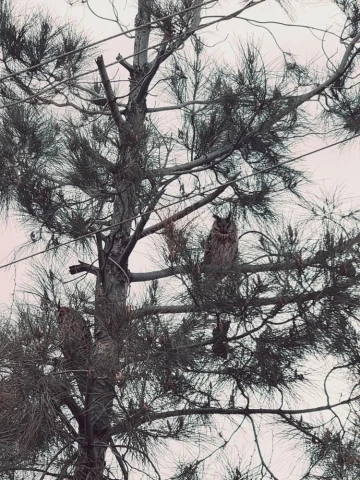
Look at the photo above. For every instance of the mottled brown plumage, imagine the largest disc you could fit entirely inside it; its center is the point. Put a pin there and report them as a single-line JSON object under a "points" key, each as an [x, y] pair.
{"points": [[222, 243], [74, 333]]}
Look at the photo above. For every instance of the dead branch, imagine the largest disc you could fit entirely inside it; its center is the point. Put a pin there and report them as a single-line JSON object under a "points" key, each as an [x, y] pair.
{"points": [[83, 267], [115, 112]]}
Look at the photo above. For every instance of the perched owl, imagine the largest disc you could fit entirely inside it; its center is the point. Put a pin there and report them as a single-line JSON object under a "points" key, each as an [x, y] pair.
{"points": [[74, 333], [221, 246]]}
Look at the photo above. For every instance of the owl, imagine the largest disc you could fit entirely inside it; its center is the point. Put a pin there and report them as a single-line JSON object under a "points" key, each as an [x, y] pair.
{"points": [[74, 333], [221, 246]]}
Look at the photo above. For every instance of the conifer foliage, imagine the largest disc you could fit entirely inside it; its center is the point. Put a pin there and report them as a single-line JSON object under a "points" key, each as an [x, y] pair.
{"points": [[186, 369]]}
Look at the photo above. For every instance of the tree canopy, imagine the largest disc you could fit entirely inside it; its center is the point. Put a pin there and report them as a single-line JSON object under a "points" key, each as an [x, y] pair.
{"points": [[197, 365]]}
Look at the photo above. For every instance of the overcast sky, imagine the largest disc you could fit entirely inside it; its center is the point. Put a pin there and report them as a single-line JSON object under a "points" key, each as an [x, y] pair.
{"points": [[328, 169]]}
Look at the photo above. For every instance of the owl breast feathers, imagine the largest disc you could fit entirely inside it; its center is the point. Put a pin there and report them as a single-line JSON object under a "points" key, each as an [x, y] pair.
{"points": [[222, 243], [74, 332]]}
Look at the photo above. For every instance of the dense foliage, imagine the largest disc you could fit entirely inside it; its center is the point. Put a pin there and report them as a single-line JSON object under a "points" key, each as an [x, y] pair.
{"points": [[235, 363]]}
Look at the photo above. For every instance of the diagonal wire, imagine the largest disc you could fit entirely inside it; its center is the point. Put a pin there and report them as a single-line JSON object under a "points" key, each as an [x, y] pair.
{"points": [[83, 74], [231, 182], [90, 45]]}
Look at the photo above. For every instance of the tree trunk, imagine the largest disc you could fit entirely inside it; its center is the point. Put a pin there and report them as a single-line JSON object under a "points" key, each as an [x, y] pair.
{"points": [[113, 282]]}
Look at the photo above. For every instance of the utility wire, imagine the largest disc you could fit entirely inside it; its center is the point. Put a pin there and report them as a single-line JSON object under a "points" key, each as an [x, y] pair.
{"points": [[90, 45], [75, 77], [264, 170]]}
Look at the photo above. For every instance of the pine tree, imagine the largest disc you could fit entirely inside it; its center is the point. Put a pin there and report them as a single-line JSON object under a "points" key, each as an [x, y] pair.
{"points": [[101, 381]]}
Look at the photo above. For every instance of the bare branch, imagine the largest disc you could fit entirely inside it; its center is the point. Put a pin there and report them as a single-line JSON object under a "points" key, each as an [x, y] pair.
{"points": [[190, 103], [125, 64], [157, 274], [242, 268], [340, 70], [206, 159], [150, 417], [115, 112], [257, 302], [83, 267]]}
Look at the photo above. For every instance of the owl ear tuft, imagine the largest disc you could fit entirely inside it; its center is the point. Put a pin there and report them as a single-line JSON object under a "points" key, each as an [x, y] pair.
{"points": [[217, 218]]}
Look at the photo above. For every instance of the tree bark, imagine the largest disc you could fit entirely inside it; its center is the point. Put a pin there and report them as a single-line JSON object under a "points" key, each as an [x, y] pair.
{"points": [[113, 281]]}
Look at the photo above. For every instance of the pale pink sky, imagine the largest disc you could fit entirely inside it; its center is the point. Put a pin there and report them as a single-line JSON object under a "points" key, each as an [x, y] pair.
{"points": [[330, 168]]}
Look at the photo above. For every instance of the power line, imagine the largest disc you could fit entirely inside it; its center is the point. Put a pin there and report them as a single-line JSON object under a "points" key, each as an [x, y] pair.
{"points": [[75, 77], [90, 45], [264, 170], [88, 72]]}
